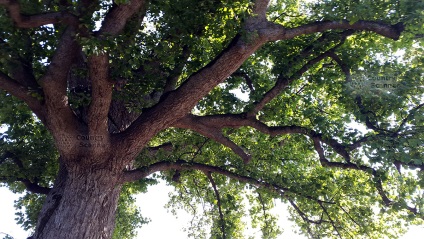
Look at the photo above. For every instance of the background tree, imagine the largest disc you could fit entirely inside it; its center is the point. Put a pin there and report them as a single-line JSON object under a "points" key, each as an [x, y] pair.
{"points": [[101, 98]]}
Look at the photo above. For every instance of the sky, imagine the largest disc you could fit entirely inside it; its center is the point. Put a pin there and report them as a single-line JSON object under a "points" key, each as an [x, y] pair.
{"points": [[152, 206]]}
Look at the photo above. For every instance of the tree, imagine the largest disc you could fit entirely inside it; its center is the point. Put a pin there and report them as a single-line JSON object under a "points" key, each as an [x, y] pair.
{"points": [[101, 98]]}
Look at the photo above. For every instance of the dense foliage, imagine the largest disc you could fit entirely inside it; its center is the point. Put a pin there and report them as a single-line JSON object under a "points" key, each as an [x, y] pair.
{"points": [[329, 119]]}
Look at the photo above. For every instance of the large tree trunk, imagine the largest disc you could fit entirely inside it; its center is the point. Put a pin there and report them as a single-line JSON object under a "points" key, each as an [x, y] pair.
{"points": [[82, 203]]}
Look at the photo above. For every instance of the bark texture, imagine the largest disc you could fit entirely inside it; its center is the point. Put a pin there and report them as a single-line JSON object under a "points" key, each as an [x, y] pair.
{"points": [[82, 204]]}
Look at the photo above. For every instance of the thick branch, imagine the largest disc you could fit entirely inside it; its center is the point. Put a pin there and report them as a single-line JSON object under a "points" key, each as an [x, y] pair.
{"points": [[54, 84], [32, 21], [179, 102], [260, 7], [118, 16], [34, 187], [101, 95]]}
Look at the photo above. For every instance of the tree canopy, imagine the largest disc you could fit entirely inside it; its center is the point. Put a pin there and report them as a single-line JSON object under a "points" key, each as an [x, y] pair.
{"points": [[318, 104]]}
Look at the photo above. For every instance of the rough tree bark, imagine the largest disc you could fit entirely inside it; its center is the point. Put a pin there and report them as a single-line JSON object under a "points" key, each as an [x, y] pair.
{"points": [[82, 203]]}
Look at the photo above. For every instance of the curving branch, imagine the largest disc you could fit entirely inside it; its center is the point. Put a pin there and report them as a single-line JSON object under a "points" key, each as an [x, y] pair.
{"points": [[54, 85], [333, 224], [214, 133], [213, 122], [274, 32], [176, 104], [31, 186], [247, 78], [21, 92], [34, 187], [144, 172], [32, 21], [283, 81], [171, 82], [218, 198], [304, 218], [369, 170], [118, 16]]}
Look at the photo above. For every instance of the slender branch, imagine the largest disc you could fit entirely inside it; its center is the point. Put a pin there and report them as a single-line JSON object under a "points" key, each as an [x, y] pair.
{"points": [[304, 217], [218, 198], [213, 133], [276, 32], [342, 65], [331, 220], [31, 186], [358, 143], [166, 146], [350, 217], [236, 121], [144, 172], [247, 78], [409, 116], [34, 187], [21, 92], [171, 83], [283, 81], [32, 21], [378, 183]]}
